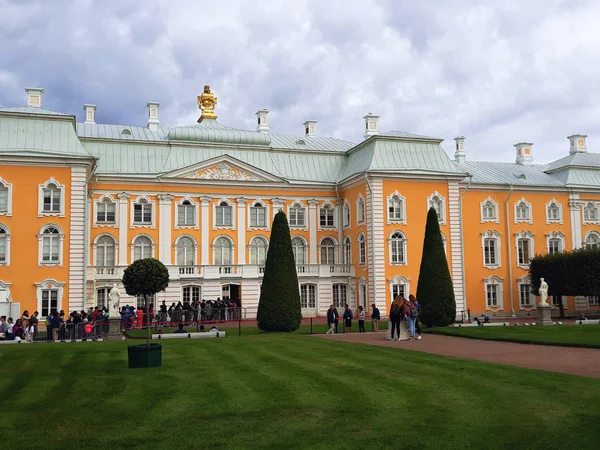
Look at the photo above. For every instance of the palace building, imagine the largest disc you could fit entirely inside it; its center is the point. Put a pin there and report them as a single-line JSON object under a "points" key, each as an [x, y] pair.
{"points": [[80, 201]]}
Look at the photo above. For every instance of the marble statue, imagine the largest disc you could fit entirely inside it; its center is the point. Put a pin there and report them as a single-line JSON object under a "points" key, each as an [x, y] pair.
{"points": [[543, 291], [114, 297]]}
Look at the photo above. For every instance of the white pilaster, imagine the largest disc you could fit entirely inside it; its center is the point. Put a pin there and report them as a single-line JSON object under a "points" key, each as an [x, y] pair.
{"points": [[241, 229], [77, 238], [164, 228], [376, 242], [204, 229], [575, 210], [278, 205], [123, 226], [456, 245], [312, 229]]}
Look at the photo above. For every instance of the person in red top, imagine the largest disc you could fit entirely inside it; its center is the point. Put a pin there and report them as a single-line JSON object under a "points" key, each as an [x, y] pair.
{"points": [[139, 316]]}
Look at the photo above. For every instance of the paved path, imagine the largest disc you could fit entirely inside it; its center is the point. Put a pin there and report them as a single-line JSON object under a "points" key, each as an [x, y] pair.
{"points": [[576, 361]]}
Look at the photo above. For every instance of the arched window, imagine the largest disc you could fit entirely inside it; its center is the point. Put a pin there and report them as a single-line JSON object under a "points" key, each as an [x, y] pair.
{"points": [[297, 215], [5, 197], [346, 211], [142, 212], [299, 249], [51, 245], [186, 214], [105, 211], [142, 248], [258, 215], [223, 214], [553, 212], [395, 208], [362, 249], [590, 212], [397, 248], [488, 211], [105, 251], [592, 241], [186, 251], [360, 210], [4, 243], [223, 252], [347, 251], [522, 211], [436, 203], [52, 195], [327, 251], [258, 251]]}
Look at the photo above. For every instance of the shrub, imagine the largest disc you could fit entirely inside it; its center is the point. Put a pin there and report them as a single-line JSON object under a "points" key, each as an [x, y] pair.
{"points": [[279, 305], [435, 292]]}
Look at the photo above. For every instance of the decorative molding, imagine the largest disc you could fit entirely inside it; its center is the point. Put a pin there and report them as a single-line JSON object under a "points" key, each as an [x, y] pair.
{"points": [[442, 201], [133, 243], [360, 201], [590, 213], [489, 202], [558, 207], [495, 235], [6, 236], [61, 239], [555, 235], [8, 186], [152, 203], [524, 235], [278, 205], [196, 205], [61, 188], [523, 202], [297, 205], [95, 204], [404, 247], [165, 198], [216, 205], [224, 171], [494, 281], [402, 199]]}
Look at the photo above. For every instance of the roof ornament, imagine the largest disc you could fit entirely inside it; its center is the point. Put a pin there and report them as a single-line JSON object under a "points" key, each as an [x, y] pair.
{"points": [[207, 102]]}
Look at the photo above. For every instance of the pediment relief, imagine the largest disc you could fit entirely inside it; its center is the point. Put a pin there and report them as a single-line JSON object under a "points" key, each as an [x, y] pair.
{"points": [[223, 171]]}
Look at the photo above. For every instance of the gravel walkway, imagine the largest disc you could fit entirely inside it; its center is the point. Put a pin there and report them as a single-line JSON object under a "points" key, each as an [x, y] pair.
{"points": [[575, 361]]}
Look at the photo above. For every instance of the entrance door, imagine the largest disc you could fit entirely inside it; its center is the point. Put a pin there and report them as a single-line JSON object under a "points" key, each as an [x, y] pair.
{"points": [[235, 294], [363, 296]]}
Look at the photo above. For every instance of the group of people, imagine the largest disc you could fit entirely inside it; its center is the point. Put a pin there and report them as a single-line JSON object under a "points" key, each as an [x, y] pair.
{"points": [[405, 310], [207, 310], [25, 328], [333, 317]]}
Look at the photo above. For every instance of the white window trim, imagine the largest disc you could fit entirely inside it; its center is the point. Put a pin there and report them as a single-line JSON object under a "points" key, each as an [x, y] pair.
{"points": [[305, 242], [442, 219], [387, 209], [7, 185], [260, 237], [267, 225], [50, 283], [7, 236], [95, 223], [335, 249], [560, 212], [176, 247], [529, 208], [494, 280], [363, 263], [233, 215], [524, 235], [347, 241], [214, 246], [555, 235], [525, 280], [588, 234], [152, 203], [590, 205], [345, 205], [494, 219], [316, 285], [563, 299], [360, 200], [95, 248], [196, 205], [303, 206], [399, 279], [404, 249], [132, 245], [335, 216], [41, 187], [491, 234], [444, 242], [61, 240], [192, 284]]}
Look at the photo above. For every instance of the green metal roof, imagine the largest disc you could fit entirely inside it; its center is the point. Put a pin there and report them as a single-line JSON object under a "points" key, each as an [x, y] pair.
{"points": [[34, 110], [209, 130], [575, 160], [508, 173]]}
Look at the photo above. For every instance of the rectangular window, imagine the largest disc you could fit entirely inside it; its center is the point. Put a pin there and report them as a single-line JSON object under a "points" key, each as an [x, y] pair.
{"points": [[362, 252], [524, 250], [522, 212], [105, 212], [50, 249], [2, 248], [490, 252], [191, 293], [186, 215], [49, 301], [339, 295], [489, 212], [553, 213], [52, 200], [3, 198], [297, 217], [594, 300], [308, 295], [361, 211], [398, 290], [223, 216], [258, 216], [142, 213], [492, 295], [525, 294], [554, 246], [101, 297], [346, 216], [326, 217]]}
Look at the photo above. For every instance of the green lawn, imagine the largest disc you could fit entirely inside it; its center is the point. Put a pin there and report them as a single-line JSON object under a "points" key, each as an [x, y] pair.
{"points": [[563, 335], [285, 391]]}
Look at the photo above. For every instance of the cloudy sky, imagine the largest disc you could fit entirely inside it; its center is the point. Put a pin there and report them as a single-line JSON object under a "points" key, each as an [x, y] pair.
{"points": [[497, 72]]}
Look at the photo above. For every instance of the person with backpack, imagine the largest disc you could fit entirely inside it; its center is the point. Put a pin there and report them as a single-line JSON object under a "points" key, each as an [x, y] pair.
{"points": [[375, 317], [408, 311], [396, 317], [416, 311], [348, 318]]}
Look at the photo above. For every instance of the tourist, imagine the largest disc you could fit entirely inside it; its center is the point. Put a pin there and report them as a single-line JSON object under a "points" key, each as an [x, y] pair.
{"points": [[25, 319], [55, 325], [180, 329], [416, 312], [201, 329], [396, 317], [408, 313], [33, 327], [375, 317], [337, 318], [3, 328], [361, 319], [331, 319], [17, 330], [347, 318]]}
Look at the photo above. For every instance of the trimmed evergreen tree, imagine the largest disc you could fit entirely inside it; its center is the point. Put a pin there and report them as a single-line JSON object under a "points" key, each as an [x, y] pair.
{"points": [[279, 305], [435, 292]]}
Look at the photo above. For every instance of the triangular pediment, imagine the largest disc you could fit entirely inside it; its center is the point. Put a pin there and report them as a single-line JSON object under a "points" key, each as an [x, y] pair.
{"points": [[224, 168]]}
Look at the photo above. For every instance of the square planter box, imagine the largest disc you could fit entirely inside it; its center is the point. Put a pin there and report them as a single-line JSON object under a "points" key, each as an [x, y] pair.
{"points": [[143, 356]]}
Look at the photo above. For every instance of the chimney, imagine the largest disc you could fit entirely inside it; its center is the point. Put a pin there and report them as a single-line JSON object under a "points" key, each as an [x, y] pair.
{"points": [[261, 117], [153, 115], [90, 112], [34, 97], [524, 155], [460, 155], [309, 127], [370, 125], [578, 144]]}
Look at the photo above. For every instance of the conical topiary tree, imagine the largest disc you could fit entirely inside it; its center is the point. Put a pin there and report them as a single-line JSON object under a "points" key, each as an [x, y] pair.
{"points": [[435, 292], [279, 305]]}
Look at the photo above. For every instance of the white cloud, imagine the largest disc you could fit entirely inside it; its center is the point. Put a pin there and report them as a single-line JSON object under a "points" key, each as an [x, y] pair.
{"points": [[498, 73]]}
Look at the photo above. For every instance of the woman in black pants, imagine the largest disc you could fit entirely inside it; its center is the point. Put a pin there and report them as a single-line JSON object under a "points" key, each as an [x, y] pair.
{"points": [[395, 317]]}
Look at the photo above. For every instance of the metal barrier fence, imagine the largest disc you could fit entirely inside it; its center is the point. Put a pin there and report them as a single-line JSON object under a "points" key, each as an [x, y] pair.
{"points": [[81, 331]]}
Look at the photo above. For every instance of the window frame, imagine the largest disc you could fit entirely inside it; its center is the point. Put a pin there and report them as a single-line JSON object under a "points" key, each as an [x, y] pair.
{"points": [[223, 203], [518, 205], [5, 185], [293, 215], [400, 281], [437, 197], [329, 208], [346, 215], [254, 248], [522, 284], [347, 260], [196, 214], [341, 294], [179, 247], [361, 211], [555, 236], [402, 209], [495, 236], [5, 235], [304, 250], [499, 283], [134, 244], [333, 247], [525, 235], [231, 251], [60, 236], [590, 206], [556, 206], [41, 196], [104, 200], [308, 302], [152, 204], [591, 234], [49, 284], [97, 245], [255, 207], [489, 203], [362, 249], [190, 296], [391, 242]]}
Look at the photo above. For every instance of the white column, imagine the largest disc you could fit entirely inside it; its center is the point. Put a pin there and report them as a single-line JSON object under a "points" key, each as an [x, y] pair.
{"points": [[241, 229], [312, 230], [77, 241], [376, 242], [575, 210], [204, 230], [456, 245], [164, 228], [123, 226]]}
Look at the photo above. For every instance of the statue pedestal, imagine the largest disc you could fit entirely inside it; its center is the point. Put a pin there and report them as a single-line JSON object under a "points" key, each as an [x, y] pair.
{"points": [[404, 333], [544, 315], [114, 330]]}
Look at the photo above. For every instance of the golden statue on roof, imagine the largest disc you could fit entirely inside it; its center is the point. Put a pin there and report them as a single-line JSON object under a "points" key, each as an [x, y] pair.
{"points": [[207, 102]]}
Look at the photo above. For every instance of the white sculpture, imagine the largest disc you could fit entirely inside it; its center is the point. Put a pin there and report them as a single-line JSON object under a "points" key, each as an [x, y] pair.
{"points": [[114, 298], [543, 290]]}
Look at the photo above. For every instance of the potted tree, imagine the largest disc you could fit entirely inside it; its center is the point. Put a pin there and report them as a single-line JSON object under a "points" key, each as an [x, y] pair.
{"points": [[145, 277]]}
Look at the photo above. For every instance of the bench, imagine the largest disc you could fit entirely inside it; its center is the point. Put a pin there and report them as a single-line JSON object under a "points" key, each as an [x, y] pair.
{"points": [[199, 335], [588, 322], [491, 324]]}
